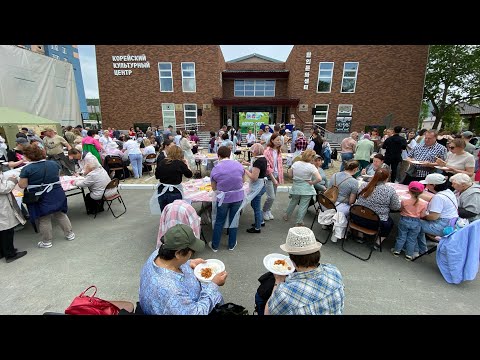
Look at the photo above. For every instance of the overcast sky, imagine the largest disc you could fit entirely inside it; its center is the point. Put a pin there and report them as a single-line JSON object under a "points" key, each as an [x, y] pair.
{"points": [[230, 52]]}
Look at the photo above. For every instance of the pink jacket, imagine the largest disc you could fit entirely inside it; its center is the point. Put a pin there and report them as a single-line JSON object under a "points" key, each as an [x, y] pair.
{"points": [[268, 153], [92, 141]]}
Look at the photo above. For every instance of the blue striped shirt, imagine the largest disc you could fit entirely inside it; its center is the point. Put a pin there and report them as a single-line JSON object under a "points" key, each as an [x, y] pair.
{"points": [[315, 292]]}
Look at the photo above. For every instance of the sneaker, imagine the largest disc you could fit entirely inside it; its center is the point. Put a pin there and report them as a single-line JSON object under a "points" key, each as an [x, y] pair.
{"points": [[409, 258], [252, 230], [262, 224], [376, 247], [360, 240], [266, 216], [395, 252], [70, 236], [271, 215], [210, 246], [18, 255], [45, 245], [334, 239], [234, 246]]}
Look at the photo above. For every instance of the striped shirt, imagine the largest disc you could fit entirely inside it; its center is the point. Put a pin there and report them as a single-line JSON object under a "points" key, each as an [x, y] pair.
{"points": [[315, 292]]}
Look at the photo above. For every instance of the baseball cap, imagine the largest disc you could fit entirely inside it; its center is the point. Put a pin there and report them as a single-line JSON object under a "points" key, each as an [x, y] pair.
{"points": [[21, 140], [434, 179], [416, 186], [180, 237], [467, 133]]}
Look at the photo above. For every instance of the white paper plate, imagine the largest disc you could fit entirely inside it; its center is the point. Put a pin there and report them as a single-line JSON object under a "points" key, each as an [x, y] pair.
{"points": [[417, 162], [216, 265], [269, 260], [442, 168]]}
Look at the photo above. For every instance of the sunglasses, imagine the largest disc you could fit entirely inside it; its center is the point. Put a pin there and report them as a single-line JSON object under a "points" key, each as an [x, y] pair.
{"points": [[451, 147]]}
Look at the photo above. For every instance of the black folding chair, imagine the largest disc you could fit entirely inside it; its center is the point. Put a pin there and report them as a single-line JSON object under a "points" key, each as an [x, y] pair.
{"points": [[114, 163], [368, 214], [109, 199], [322, 200]]}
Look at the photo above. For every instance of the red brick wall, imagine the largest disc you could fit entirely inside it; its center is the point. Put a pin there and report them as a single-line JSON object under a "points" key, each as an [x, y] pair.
{"points": [[389, 80], [137, 98]]}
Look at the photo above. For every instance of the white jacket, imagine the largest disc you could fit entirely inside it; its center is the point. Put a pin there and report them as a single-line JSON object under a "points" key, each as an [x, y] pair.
{"points": [[96, 181], [10, 213]]}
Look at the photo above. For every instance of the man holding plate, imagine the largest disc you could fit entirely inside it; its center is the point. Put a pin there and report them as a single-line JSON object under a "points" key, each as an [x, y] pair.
{"points": [[314, 289]]}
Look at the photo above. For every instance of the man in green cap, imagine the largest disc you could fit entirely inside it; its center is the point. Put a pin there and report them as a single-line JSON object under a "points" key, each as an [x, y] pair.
{"points": [[168, 285]]}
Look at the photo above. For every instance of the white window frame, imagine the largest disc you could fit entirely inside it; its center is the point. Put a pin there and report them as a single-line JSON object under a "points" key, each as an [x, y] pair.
{"points": [[331, 76], [316, 118], [254, 87], [344, 113], [56, 56], [165, 77], [189, 117], [164, 110], [189, 77], [349, 77], [64, 50], [54, 47]]}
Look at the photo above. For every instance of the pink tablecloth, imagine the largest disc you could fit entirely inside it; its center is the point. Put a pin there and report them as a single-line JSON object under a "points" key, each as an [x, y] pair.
{"points": [[192, 192]]}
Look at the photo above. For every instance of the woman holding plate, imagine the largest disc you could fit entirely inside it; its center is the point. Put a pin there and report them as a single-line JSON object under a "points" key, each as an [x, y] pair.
{"points": [[458, 160], [168, 285]]}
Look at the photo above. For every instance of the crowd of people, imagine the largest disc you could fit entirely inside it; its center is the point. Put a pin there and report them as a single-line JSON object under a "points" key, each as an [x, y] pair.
{"points": [[439, 170]]}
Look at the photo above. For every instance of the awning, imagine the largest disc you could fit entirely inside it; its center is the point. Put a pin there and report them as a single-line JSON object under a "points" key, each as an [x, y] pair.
{"points": [[255, 101]]}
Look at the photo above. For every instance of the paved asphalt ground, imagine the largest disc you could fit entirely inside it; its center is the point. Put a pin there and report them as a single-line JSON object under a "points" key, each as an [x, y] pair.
{"points": [[110, 252]]}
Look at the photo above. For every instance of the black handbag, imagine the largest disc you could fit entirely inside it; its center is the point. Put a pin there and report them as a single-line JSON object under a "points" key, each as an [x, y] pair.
{"points": [[30, 198]]}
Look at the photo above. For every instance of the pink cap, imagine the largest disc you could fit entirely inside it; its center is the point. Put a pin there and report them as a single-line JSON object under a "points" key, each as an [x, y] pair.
{"points": [[416, 186]]}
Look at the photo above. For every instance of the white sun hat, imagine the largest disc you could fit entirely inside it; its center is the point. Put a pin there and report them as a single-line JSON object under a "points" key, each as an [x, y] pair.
{"points": [[301, 241]]}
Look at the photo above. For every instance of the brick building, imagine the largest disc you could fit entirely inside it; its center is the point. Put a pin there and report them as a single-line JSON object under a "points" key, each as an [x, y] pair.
{"points": [[341, 88]]}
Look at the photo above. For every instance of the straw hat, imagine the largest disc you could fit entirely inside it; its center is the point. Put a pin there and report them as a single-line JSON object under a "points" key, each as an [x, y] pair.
{"points": [[301, 241]]}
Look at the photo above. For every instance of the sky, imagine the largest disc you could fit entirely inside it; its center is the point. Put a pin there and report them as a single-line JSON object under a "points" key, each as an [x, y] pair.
{"points": [[230, 52]]}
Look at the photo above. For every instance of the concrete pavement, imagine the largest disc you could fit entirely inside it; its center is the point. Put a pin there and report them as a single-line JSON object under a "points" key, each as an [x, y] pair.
{"points": [[110, 252]]}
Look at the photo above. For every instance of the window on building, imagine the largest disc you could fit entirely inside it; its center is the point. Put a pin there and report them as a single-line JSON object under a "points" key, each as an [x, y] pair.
{"points": [[325, 74], [254, 88], [349, 80], [64, 49], [344, 110], [166, 77], [188, 77], [321, 113], [168, 115], [54, 47], [190, 115], [56, 56]]}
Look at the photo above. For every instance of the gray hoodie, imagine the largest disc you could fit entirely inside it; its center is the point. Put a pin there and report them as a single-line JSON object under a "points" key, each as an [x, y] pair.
{"points": [[470, 201]]}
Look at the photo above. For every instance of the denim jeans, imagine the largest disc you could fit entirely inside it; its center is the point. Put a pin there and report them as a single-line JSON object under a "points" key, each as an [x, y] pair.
{"points": [[271, 194], [220, 221], [257, 209], [136, 161], [434, 227], [168, 197], [345, 158], [408, 230], [260, 304]]}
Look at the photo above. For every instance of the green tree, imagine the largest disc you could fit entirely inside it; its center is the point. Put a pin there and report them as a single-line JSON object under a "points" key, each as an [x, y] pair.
{"points": [[424, 113], [93, 102], [453, 76], [452, 121]]}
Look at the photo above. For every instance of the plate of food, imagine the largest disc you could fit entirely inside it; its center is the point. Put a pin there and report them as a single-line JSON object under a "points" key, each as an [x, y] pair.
{"points": [[207, 187], [278, 264], [442, 168], [206, 271], [417, 162]]}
